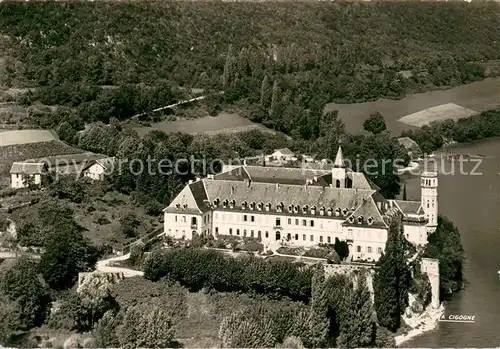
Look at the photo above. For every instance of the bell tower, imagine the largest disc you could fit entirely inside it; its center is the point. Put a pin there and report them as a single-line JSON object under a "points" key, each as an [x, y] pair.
{"points": [[429, 199], [339, 171]]}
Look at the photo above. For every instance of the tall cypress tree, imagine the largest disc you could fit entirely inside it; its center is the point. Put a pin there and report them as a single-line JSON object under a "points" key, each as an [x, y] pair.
{"points": [[265, 93], [404, 193], [275, 97], [319, 308], [392, 278]]}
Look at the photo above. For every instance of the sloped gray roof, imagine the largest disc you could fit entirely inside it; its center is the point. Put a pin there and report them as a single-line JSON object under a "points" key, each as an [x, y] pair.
{"points": [[285, 151], [27, 168], [368, 209], [409, 207], [276, 194]]}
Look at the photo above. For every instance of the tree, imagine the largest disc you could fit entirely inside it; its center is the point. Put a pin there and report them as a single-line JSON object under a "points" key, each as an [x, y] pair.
{"points": [[146, 329], [444, 244], [392, 278], [404, 192], [129, 224], [358, 325], [22, 285], [275, 99], [66, 254], [265, 93], [319, 307], [242, 330], [10, 322], [104, 332], [375, 123], [341, 248]]}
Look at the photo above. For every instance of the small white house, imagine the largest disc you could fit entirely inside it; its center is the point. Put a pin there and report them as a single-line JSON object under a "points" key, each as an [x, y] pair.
{"points": [[282, 155], [97, 169], [22, 174]]}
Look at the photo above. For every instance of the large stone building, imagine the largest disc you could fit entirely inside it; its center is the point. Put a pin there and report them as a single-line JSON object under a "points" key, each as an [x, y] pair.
{"points": [[299, 207]]}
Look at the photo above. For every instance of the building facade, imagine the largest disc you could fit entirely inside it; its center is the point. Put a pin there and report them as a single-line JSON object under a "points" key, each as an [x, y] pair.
{"points": [[24, 174], [298, 207], [97, 169]]}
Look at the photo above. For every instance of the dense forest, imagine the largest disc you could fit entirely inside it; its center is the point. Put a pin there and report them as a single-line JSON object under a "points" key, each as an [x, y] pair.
{"points": [[280, 60]]}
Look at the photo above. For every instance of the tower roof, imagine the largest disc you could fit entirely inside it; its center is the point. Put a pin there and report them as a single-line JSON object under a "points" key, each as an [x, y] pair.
{"points": [[339, 159]]}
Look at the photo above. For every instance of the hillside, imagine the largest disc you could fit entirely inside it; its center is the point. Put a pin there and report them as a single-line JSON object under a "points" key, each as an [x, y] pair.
{"points": [[350, 52]]}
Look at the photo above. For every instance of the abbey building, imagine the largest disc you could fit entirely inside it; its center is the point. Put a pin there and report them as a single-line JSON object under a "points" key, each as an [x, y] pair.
{"points": [[300, 207]]}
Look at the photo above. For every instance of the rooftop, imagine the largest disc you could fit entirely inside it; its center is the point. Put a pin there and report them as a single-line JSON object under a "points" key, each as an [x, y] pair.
{"points": [[27, 168]]}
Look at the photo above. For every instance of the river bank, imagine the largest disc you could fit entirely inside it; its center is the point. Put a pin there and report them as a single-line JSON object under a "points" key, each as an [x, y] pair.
{"points": [[425, 322]]}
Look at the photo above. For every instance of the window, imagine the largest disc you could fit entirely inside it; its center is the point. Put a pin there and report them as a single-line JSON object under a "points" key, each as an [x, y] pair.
{"points": [[337, 183], [304, 209], [358, 248], [427, 205], [304, 222], [360, 219], [245, 218], [251, 233], [183, 219], [230, 231], [296, 236], [290, 208], [268, 207], [296, 209], [289, 221], [311, 223], [322, 211], [349, 233], [176, 218], [370, 220], [329, 240], [252, 218], [245, 233], [279, 208], [204, 219], [237, 232], [369, 249], [304, 237], [312, 237], [320, 239], [329, 211], [216, 230], [278, 222], [267, 234], [296, 222], [379, 250], [176, 206], [244, 205]]}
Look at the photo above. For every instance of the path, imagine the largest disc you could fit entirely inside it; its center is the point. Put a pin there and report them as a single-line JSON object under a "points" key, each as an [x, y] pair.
{"points": [[104, 267]]}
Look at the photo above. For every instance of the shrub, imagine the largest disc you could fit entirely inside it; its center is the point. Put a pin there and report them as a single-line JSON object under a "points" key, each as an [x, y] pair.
{"points": [[153, 208], [129, 224], [317, 253]]}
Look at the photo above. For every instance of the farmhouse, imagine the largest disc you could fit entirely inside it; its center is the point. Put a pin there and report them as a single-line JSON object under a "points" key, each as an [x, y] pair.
{"points": [[97, 169], [299, 207], [22, 174]]}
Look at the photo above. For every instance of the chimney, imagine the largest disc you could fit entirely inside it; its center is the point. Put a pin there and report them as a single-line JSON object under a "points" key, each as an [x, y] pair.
{"points": [[190, 181]]}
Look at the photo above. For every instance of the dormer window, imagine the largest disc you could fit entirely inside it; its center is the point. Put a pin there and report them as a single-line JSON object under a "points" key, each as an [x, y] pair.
{"points": [[279, 208], [330, 211], [290, 208], [351, 219], [178, 206], [252, 205], [268, 207], [304, 209], [216, 202], [296, 209], [338, 211], [345, 211], [185, 206], [260, 206], [313, 210], [322, 211], [232, 203], [370, 220], [225, 203], [244, 205], [360, 220]]}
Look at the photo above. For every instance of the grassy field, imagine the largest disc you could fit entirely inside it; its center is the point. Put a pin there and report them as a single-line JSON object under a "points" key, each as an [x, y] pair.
{"points": [[26, 136], [223, 123]]}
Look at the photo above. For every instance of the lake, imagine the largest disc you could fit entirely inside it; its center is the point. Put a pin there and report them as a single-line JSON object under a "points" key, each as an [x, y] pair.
{"points": [[473, 203]]}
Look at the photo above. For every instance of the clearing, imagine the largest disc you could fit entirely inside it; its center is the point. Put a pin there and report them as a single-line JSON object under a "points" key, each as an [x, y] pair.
{"points": [[439, 113], [223, 123], [26, 136]]}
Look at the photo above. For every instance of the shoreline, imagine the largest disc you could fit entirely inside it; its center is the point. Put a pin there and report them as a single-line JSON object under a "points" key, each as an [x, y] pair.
{"points": [[425, 322]]}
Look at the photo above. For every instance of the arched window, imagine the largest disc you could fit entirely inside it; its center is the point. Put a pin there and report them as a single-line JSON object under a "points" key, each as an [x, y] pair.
{"points": [[338, 211], [290, 208], [360, 219], [185, 206], [232, 203], [244, 205], [177, 205], [337, 183], [370, 220], [252, 205], [304, 209], [268, 206], [313, 210], [279, 207], [330, 211], [260, 206], [225, 203], [216, 202], [351, 219], [345, 211]]}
